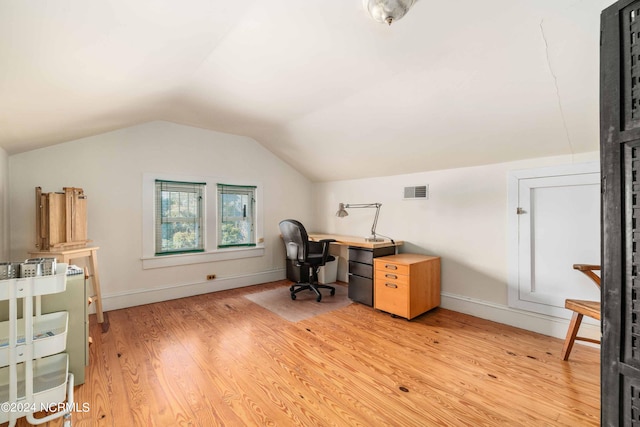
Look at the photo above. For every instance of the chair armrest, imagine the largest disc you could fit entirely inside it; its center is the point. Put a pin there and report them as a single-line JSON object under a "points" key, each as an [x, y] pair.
{"points": [[325, 248], [583, 267], [589, 269], [327, 241]]}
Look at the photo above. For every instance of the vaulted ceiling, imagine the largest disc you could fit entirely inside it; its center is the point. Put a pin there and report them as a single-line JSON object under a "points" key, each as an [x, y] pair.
{"points": [[317, 82]]}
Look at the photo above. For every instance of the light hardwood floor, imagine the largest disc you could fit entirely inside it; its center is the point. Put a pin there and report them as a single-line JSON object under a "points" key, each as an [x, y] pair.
{"points": [[219, 359]]}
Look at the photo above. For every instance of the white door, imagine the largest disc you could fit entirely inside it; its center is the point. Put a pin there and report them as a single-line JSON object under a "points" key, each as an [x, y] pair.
{"points": [[555, 216]]}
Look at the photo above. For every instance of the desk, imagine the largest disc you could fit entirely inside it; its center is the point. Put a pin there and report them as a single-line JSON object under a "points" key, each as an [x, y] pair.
{"points": [[359, 254], [66, 255], [358, 242]]}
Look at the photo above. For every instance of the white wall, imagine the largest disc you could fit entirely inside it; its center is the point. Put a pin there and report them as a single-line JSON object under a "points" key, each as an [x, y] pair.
{"points": [[4, 215], [110, 167], [464, 222]]}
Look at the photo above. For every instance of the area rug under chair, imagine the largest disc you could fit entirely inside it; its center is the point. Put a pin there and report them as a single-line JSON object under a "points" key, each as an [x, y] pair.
{"points": [[304, 306]]}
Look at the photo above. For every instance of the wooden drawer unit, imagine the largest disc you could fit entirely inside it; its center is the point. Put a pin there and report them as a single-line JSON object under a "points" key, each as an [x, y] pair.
{"points": [[406, 285]]}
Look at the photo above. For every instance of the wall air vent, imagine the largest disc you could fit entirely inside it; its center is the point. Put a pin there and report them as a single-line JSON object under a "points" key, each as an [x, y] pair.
{"points": [[419, 192]]}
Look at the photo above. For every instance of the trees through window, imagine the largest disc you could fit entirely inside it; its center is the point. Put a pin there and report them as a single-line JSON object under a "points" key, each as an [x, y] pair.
{"points": [[179, 217], [236, 215]]}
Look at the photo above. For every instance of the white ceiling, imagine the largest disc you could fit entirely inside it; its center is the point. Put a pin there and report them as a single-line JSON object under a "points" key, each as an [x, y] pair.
{"points": [[317, 82]]}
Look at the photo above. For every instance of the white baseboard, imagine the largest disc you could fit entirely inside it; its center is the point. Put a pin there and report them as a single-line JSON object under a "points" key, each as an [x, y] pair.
{"points": [[540, 323], [136, 297]]}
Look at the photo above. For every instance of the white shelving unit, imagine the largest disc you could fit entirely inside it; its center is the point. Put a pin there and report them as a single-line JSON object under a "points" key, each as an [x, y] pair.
{"points": [[34, 370]]}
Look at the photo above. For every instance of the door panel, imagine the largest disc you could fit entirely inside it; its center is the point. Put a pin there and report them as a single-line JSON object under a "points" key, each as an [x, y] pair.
{"points": [[558, 225], [620, 160]]}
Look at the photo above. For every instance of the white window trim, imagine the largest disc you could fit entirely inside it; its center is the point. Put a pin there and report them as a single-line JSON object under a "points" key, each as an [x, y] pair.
{"points": [[212, 252]]}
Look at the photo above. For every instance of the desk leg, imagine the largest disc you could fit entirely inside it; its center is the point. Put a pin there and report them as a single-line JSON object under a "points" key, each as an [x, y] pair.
{"points": [[93, 258]]}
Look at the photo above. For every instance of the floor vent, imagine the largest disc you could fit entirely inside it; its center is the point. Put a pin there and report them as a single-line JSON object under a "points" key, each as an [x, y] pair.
{"points": [[417, 192]]}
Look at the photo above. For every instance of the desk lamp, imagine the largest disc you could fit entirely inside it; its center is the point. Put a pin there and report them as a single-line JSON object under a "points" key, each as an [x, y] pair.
{"points": [[342, 213]]}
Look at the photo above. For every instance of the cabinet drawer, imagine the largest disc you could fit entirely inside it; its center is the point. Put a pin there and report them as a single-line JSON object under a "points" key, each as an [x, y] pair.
{"points": [[393, 267], [361, 289], [392, 297], [367, 256], [361, 255], [393, 277], [360, 269]]}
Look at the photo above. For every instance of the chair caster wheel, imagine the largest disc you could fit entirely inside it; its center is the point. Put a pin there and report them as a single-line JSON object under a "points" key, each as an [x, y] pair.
{"points": [[291, 289], [333, 292], [318, 298], [293, 296]]}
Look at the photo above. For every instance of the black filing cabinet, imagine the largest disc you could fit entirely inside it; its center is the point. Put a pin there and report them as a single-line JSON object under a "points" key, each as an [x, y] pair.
{"points": [[361, 272]]}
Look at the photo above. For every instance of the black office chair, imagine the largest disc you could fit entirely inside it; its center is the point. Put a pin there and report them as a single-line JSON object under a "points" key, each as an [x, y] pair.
{"points": [[306, 254]]}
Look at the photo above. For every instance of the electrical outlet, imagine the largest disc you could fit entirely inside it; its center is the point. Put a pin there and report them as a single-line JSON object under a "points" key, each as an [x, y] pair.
{"points": [[211, 276]]}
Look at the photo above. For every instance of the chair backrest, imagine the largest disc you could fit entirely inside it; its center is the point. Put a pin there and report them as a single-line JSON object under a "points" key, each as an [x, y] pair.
{"points": [[296, 239]]}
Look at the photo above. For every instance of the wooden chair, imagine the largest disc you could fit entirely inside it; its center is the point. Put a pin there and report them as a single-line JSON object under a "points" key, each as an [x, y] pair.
{"points": [[581, 308]]}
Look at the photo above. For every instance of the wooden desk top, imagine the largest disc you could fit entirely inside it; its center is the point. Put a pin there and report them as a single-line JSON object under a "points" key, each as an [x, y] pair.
{"points": [[354, 241], [405, 258]]}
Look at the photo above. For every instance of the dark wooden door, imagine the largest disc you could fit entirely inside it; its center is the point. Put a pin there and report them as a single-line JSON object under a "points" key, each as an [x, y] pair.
{"points": [[620, 163]]}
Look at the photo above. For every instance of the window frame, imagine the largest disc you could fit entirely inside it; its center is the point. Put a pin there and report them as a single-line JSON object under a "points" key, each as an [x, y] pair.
{"points": [[200, 223], [249, 191], [211, 252]]}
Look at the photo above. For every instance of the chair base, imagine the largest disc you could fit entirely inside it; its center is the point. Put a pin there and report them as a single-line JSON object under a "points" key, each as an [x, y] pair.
{"points": [[294, 289]]}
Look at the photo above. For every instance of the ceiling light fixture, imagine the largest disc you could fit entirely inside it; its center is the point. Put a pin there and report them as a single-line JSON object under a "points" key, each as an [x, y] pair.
{"points": [[387, 11]]}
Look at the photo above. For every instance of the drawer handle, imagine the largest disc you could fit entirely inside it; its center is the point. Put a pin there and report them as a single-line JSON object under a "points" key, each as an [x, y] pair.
{"points": [[391, 285], [391, 266], [390, 276]]}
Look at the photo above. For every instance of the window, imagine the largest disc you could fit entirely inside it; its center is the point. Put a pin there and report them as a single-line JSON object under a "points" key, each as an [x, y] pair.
{"points": [[236, 215], [164, 235], [179, 217]]}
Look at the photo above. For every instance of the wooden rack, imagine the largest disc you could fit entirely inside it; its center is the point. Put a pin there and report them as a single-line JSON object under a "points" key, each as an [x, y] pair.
{"points": [[61, 233]]}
